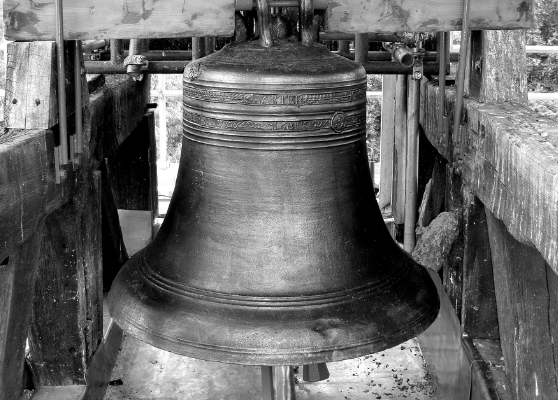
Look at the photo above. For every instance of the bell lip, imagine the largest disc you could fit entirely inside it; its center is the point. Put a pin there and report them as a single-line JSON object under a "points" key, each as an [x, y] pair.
{"points": [[119, 294]]}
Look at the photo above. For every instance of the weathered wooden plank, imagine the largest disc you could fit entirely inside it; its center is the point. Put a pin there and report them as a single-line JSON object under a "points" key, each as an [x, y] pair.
{"points": [[522, 295], [66, 326], [18, 274], [398, 195], [99, 19], [31, 101], [479, 317], [27, 185], [98, 373], [387, 142], [508, 159], [350, 16]]}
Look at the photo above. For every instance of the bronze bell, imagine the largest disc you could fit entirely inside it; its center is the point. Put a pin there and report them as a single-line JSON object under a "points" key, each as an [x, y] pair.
{"points": [[273, 250]]}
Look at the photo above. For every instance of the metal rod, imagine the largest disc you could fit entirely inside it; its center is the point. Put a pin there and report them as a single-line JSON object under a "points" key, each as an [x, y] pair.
{"points": [[264, 21], [155, 67], [62, 111], [442, 80], [306, 21], [134, 49], [78, 100], [411, 174], [198, 47], [209, 45], [170, 55], [460, 78], [116, 51], [343, 48], [361, 48], [267, 382], [372, 37], [383, 67], [283, 383]]}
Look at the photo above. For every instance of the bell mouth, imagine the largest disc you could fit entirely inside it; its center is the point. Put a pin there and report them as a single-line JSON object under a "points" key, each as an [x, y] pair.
{"points": [[253, 330]]}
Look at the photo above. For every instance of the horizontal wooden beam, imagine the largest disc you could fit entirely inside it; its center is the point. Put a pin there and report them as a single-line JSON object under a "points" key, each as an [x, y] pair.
{"points": [[507, 156], [350, 16], [101, 19]]}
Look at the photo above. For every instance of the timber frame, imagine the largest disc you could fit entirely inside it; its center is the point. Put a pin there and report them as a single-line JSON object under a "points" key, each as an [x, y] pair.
{"points": [[499, 285]]}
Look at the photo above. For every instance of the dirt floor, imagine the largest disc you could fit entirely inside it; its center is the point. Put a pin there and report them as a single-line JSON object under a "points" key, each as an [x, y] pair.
{"points": [[144, 372]]}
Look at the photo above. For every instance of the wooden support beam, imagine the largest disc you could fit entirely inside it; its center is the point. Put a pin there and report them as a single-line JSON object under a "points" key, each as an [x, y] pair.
{"points": [[30, 101], [67, 323], [119, 19], [508, 158], [27, 182], [479, 318], [526, 300], [400, 155], [18, 274], [350, 16]]}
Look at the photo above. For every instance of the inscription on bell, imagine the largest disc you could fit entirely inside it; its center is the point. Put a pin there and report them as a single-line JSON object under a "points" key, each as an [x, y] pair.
{"points": [[279, 99]]}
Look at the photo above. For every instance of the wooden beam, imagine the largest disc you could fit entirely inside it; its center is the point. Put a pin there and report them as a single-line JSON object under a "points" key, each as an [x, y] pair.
{"points": [[508, 158], [27, 183], [67, 323], [31, 101], [350, 16], [119, 19], [18, 274], [525, 302], [479, 318]]}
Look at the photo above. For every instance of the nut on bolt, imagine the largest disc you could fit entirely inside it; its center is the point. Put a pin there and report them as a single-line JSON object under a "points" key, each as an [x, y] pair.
{"points": [[135, 64]]}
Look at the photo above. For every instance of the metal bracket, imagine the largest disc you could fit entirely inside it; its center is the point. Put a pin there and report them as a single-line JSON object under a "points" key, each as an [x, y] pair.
{"points": [[137, 60]]}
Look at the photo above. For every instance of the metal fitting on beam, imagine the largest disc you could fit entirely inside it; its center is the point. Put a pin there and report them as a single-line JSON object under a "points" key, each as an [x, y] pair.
{"points": [[403, 55], [135, 64]]}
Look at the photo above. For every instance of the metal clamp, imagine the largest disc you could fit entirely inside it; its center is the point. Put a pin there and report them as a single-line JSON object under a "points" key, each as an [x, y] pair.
{"points": [[139, 61]]}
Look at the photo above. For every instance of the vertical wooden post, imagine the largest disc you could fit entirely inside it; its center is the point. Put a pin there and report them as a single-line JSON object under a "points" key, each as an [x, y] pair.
{"points": [[387, 142], [162, 109], [411, 171], [400, 154], [66, 326], [526, 303], [18, 274]]}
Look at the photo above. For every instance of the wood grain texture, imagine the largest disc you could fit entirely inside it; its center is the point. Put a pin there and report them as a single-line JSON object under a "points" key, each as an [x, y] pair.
{"points": [[27, 186], [100, 370], [119, 19], [479, 317], [350, 16], [508, 159], [17, 282], [31, 86], [66, 325], [524, 315]]}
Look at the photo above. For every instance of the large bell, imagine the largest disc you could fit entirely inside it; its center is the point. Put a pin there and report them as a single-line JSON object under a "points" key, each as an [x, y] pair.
{"points": [[273, 250]]}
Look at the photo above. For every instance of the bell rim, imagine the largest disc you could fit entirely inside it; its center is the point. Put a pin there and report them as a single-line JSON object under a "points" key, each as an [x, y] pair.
{"points": [[259, 355]]}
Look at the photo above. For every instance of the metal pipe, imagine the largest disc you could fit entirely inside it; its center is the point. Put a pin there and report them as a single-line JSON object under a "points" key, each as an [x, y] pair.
{"points": [[116, 51], [264, 21], [383, 67], [155, 67], [283, 383], [442, 50], [372, 37], [411, 169], [78, 101], [460, 78], [361, 48], [134, 70], [198, 47], [171, 55], [306, 21], [62, 115], [209, 45], [404, 56], [343, 48]]}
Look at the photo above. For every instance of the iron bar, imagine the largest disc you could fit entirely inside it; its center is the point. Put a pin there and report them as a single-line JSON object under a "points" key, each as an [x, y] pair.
{"points": [[306, 20], [442, 52], [361, 48], [460, 78], [264, 22], [170, 55], [134, 49], [116, 51], [198, 47], [78, 101], [62, 111]]}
